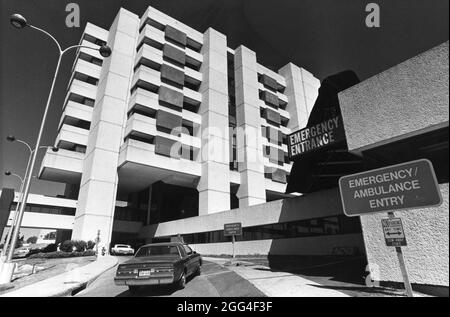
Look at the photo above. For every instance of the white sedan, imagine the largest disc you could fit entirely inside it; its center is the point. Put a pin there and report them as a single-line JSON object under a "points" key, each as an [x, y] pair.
{"points": [[122, 249]]}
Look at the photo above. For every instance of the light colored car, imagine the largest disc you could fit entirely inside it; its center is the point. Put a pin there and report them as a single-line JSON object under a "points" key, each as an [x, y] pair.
{"points": [[21, 252], [120, 249]]}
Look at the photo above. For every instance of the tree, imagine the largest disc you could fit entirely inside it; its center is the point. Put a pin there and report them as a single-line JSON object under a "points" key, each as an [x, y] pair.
{"points": [[32, 240]]}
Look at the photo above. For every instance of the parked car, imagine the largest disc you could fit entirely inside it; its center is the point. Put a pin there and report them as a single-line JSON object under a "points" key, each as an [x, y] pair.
{"points": [[120, 249], [159, 263], [21, 252]]}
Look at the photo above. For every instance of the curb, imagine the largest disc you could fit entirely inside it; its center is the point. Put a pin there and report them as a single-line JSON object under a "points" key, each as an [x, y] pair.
{"points": [[78, 287]]}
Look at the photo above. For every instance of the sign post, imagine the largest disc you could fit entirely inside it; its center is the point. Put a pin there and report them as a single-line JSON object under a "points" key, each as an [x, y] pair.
{"points": [[233, 230], [403, 186]]}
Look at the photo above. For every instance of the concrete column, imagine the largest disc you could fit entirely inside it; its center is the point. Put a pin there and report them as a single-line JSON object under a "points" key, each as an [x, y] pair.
{"points": [[248, 122], [214, 184], [96, 201], [301, 91]]}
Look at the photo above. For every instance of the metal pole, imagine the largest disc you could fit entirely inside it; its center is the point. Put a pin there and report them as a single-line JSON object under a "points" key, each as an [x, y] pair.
{"points": [[401, 261], [33, 161], [19, 202], [233, 246]]}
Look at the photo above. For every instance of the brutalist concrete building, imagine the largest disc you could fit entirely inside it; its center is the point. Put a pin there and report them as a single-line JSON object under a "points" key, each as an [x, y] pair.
{"points": [[175, 124]]}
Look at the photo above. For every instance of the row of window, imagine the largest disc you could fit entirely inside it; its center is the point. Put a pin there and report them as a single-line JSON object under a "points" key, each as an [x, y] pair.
{"points": [[54, 210], [333, 225]]}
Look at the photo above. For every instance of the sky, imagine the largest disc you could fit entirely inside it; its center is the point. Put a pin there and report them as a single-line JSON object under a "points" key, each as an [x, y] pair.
{"points": [[322, 36]]}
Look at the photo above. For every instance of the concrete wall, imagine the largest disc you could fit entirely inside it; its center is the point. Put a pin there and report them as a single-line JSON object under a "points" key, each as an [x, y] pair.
{"points": [[426, 255], [99, 180], [324, 245], [314, 205], [319, 204], [404, 100]]}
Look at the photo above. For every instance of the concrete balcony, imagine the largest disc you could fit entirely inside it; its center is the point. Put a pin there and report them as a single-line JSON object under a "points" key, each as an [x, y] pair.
{"points": [[235, 178], [88, 69], [149, 56], [282, 97], [283, 113], [73, 112], [264, 70], [141, 125], [146, 78], [193, 76], [69, 135], [161, 19], [194, 58], [44, 221], [63, 166], [151, 36], [92, 52], [285, 167], [96, 32], [281, 147], [144, 100], [148, 102], [275, 186], [153, 58], [140, 166], [83, 89], [144, 126], [191, 96]]}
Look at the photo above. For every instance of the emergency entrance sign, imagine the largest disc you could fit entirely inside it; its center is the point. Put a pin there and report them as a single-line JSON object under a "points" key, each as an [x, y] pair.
{"points": [[403, 186], [393, 232]]}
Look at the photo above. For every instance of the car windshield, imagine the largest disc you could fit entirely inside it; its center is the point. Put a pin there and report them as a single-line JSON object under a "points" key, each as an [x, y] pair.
{"points": [[157, 250], [122, 246]]}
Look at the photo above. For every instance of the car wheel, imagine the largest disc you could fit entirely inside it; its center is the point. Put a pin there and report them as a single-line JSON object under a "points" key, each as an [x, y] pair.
{"points": [[182, 281], [133, 289], [198, 271]]}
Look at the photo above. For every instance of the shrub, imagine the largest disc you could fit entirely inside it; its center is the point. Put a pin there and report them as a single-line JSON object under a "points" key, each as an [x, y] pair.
{"points": [[90, 245], [60, 254], [50, 248], [32, 239], [80, 245], [73, 245], [89, 253], [66, 246]]}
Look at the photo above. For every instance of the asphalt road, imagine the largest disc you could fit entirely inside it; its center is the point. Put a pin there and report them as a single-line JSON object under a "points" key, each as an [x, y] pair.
{"points": [[214, 281]]}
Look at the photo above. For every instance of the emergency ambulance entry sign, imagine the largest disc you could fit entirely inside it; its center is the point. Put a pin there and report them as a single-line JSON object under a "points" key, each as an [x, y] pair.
{"points": [[408, 185]]}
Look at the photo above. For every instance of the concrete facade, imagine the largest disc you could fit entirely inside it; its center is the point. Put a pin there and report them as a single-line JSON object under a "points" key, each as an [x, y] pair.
{"points": [[426, 254], [99, 179], [316, 205], [402, 114], [408, 99], [158, 111]]}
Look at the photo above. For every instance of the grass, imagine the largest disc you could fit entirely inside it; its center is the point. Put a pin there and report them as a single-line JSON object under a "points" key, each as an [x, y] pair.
{"points": [[50, 268]]}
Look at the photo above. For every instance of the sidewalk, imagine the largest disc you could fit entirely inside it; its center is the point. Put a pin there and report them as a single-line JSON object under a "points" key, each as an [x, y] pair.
{"points": [[278, 284], [64, 284]]}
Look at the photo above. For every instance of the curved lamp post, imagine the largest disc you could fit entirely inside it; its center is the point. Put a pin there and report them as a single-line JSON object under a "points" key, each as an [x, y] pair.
{"points": [[19, 22], [12, 138]]}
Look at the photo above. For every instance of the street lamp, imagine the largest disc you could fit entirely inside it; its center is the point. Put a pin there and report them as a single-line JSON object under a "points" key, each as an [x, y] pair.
{"points": [[12, 138], [18, 21]]}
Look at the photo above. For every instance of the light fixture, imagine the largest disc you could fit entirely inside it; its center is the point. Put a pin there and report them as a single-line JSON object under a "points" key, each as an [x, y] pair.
{"points": [[105, 50], [18, 21]]}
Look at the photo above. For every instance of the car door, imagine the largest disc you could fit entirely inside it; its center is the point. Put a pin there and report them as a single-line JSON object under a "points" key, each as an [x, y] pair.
{"points": [[191, 262]]}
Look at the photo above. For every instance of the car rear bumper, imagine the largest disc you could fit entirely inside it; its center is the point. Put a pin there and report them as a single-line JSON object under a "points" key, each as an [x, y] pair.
{"points": [[144, 281]]}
